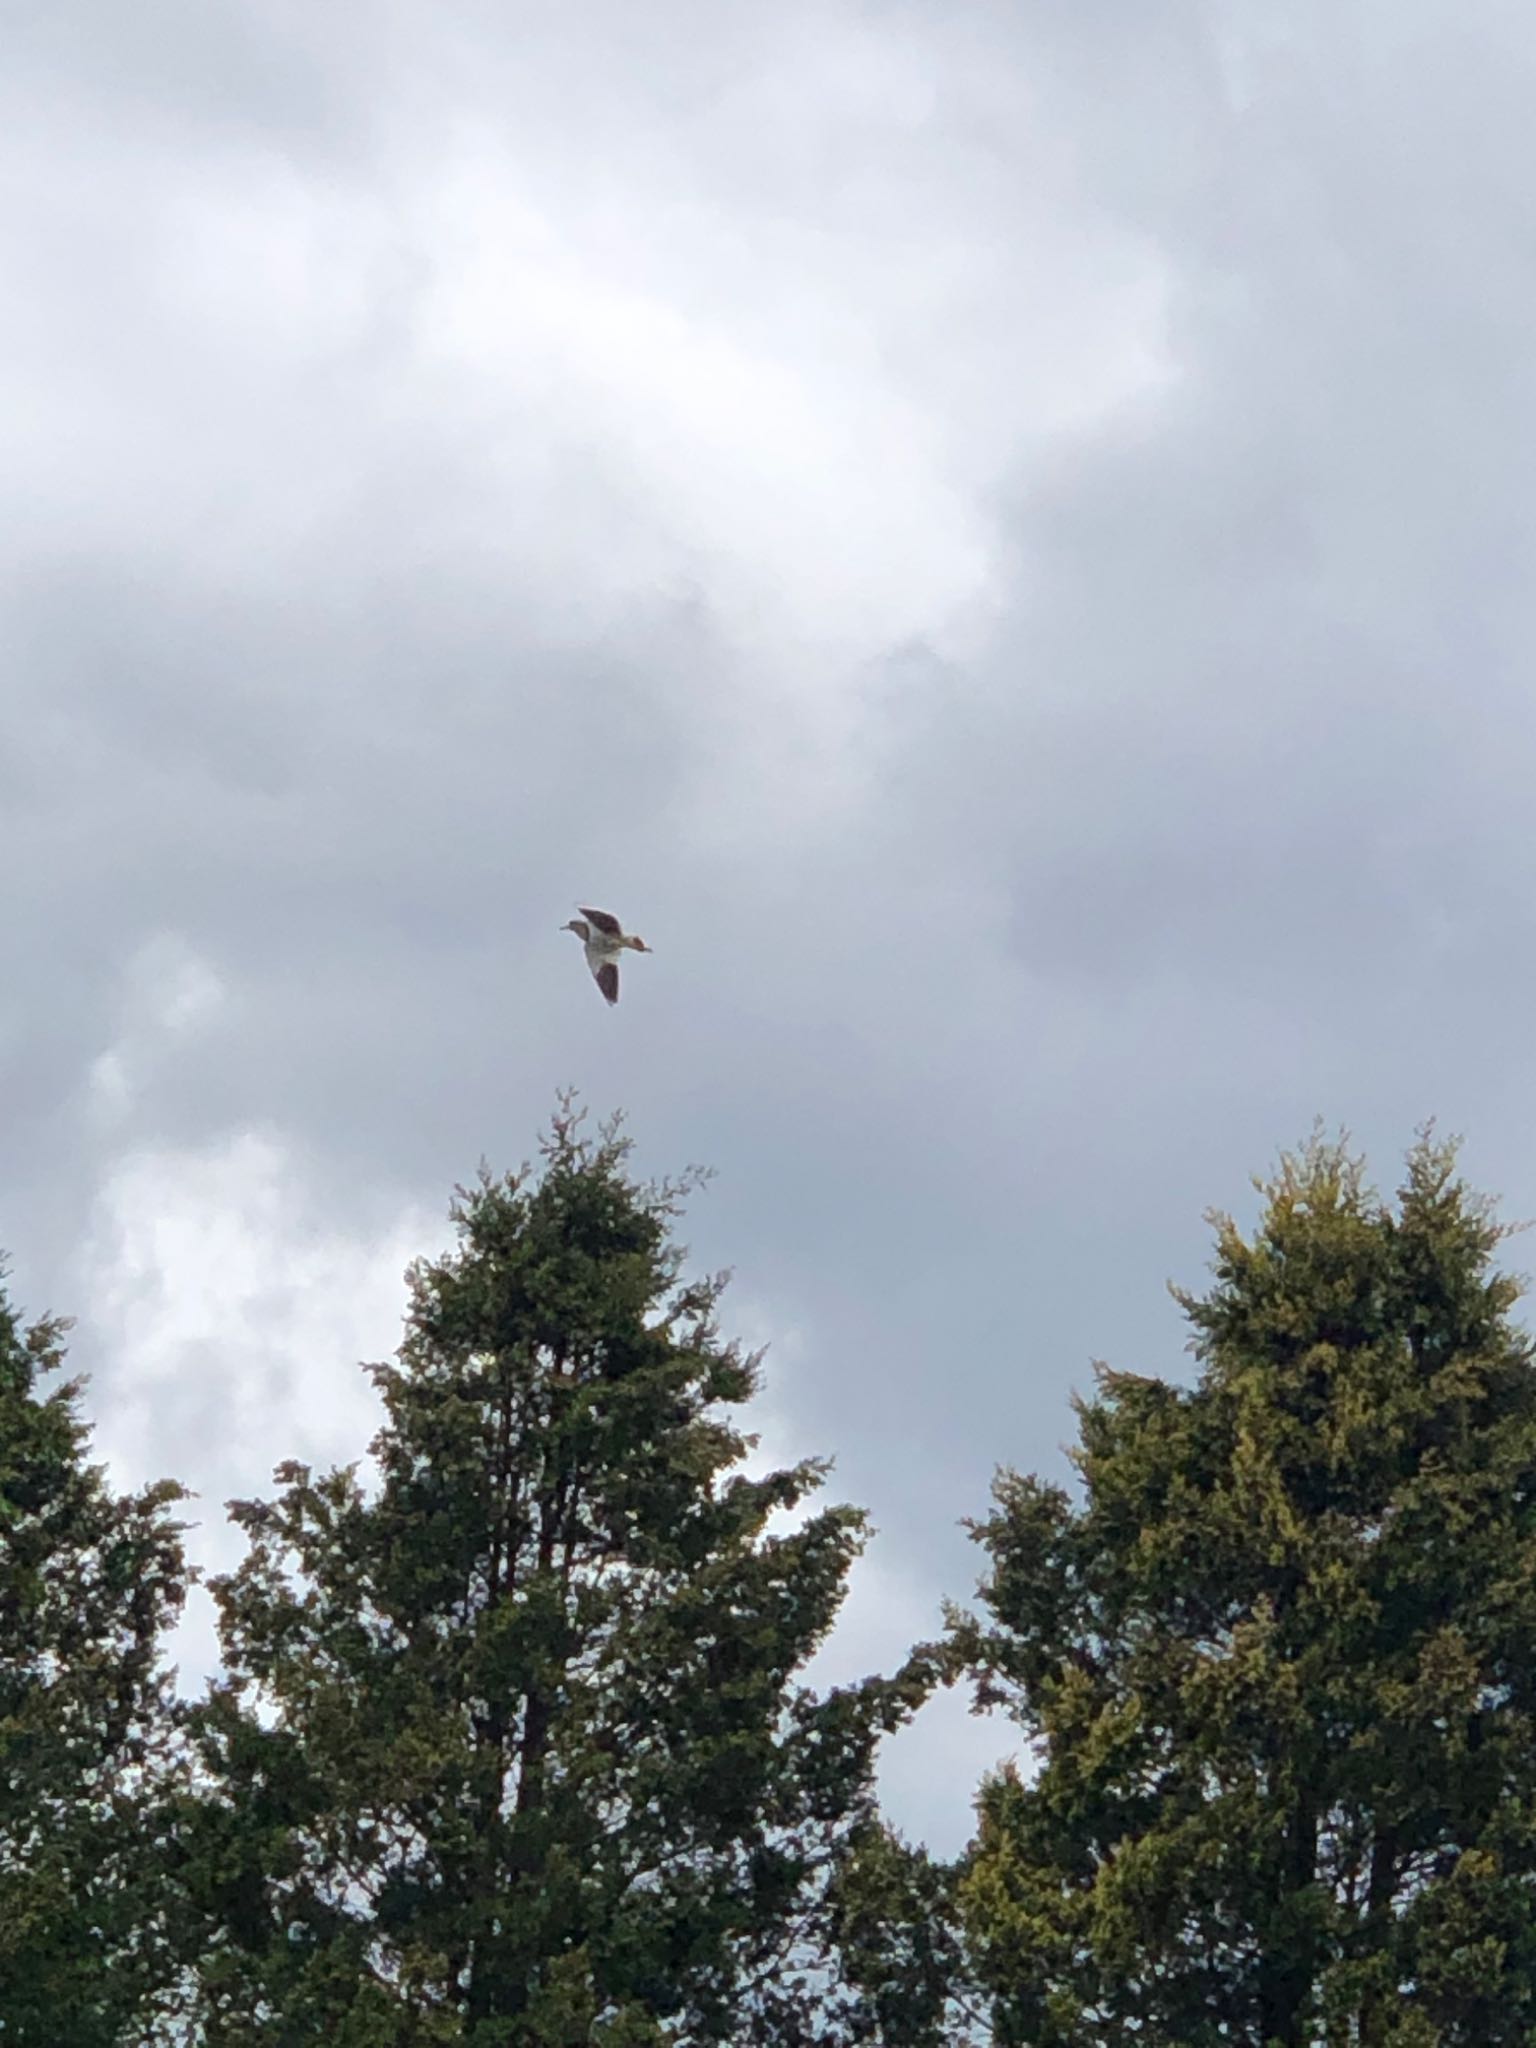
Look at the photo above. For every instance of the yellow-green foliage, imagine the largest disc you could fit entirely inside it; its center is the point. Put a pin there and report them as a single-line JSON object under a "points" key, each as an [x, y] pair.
{"points": [[1277, 1661]]}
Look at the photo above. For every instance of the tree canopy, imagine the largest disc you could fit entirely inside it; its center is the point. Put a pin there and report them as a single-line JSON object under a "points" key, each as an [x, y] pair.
{"points": [[89, 1580], [1277, 1659], [511, 1746]]}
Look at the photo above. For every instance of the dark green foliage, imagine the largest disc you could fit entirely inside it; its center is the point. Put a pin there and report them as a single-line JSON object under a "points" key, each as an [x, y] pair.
{"points": [[88, 1582], [1280, 1663], [511, 1749], [899, 1943]]}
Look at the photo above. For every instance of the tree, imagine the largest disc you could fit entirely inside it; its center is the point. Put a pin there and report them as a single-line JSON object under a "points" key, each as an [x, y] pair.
{"points": [[510, 1747], [1279, 1660], [89, 1580], [898, 1941]]}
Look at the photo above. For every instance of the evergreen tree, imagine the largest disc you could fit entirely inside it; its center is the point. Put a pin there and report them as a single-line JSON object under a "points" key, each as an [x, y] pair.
{"points": [[898, 1941], [1279, 1660], [510, 1748], [88, 1582]]}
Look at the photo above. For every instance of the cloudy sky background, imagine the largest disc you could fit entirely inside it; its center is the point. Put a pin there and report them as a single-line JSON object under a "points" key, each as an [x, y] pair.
{"points": [[999, 536]]}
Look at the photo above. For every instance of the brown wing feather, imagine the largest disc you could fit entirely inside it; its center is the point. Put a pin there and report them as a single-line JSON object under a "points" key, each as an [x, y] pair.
{"points": [[602, 920], [607, 979]]}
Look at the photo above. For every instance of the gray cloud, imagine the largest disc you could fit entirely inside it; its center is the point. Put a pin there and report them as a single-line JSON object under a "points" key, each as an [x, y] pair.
{"points": [[996, 538]]}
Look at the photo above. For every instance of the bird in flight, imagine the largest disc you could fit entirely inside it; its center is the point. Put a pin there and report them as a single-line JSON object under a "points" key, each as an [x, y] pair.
{"points": [[604, 939]]}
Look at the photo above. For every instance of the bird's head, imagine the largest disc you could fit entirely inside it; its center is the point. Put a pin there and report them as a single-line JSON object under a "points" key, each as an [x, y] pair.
{"points": [[639, 944], [577, 925]]}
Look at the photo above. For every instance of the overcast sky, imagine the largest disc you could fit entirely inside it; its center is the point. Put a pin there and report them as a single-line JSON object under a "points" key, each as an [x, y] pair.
{"points": [[998, 536]]}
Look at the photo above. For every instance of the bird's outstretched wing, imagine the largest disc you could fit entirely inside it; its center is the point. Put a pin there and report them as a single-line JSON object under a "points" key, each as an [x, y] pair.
{"points": [[606, 975], [602, 921]]}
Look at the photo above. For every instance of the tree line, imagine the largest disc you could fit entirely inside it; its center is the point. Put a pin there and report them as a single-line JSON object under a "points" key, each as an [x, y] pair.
{"points": [[510, 1743]]}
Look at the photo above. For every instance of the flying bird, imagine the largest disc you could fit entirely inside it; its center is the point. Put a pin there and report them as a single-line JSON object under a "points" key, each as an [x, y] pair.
{"points": [[604, 939]]}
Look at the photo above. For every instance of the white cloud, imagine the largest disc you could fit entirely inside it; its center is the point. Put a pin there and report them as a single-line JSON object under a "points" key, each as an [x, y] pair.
{"points": [[809, 503], [167, 994], [783, 351], [234, 1309]]}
